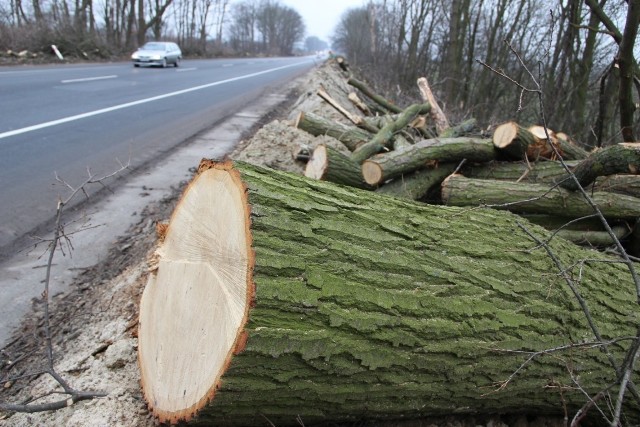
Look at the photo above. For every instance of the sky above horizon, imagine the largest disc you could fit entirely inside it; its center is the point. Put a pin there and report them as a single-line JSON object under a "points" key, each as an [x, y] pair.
{"points": [[321, 16]]}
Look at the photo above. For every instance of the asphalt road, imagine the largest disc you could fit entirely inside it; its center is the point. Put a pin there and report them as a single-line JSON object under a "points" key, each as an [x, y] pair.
{"points": [[66, 120]]}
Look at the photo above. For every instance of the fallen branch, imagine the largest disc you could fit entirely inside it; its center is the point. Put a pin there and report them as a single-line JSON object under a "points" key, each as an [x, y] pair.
{"points": [[59, 236], [436, 113], [389, 165], [378, 142], [374, 96]]}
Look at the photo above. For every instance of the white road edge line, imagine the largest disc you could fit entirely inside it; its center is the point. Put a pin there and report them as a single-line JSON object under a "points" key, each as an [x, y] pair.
{"points": [[141, 101], [88, 79]]}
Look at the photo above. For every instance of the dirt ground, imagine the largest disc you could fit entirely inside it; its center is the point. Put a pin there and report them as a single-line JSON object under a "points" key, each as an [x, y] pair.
{"points": [[94, 324]]}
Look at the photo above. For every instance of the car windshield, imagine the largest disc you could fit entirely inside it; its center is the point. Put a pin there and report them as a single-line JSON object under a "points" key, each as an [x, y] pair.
{"points": [[153, 46]]}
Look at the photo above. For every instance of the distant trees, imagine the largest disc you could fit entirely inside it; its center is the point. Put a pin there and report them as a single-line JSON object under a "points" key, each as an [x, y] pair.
{"points": [[314, 44], [585, 64], [106, 27], [265, 26]]}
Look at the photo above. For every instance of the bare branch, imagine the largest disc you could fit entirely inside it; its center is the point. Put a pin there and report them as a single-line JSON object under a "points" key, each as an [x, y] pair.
{"points": [[60, 238]]}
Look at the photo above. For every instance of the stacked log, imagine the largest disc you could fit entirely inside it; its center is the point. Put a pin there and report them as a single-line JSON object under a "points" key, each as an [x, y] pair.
{"points": [[410, 152]]}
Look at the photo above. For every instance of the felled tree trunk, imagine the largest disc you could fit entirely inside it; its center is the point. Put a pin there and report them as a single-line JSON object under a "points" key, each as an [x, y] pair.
{"points": [[380, 100], [380, 168], [534, 198], [281, 298], [328, 164], [516, 141], [351, 136], [416, 185], [552, 172], [513, 140], [619, 158], [587, 231], [569, 149], [540, 172]]}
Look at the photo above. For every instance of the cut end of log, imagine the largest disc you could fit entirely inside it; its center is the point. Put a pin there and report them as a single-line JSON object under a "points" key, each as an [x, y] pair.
{"points": [[317, 165], [540, 132], [372, 172], [505, 134], [195, 305]]}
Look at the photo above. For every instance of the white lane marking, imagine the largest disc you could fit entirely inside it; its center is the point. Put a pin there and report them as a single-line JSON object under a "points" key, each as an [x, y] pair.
{"points": [[141, 101], [49, 70], [180, 70], [89, 79], [227, 65]]}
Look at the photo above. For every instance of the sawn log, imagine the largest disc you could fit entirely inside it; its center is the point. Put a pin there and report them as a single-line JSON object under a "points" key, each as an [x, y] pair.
{"points": [[384, 166], [280, 298]]}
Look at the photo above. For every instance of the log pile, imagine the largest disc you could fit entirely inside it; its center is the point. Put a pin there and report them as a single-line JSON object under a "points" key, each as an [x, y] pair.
{"points": [[279, 300], [410, 152]]}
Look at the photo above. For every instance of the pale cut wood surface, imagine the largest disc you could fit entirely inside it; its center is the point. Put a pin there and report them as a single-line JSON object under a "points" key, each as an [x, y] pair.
{"points": [[194, 305]]}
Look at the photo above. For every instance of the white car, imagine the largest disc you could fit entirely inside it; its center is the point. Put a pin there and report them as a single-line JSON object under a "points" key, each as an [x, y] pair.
{"points": [[157, 53]]}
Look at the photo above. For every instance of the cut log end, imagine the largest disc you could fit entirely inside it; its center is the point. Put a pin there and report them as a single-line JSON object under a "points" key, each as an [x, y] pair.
{"points": [[505, 134], [194, 307], [317, 164], [372, 172]]}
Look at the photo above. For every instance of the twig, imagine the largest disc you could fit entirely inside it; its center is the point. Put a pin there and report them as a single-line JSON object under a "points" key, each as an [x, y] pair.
{"points": [[60, 236], [535, 354], [632, 356], [623, 372]]}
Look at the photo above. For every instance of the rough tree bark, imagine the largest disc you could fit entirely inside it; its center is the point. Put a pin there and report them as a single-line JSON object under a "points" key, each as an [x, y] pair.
{"points": [[535, 198], [352, 137], [384, 166], [328, 164], [627, 64], [416, 185], [621, 158], [374, 96], [281, 298], [378, 142]]}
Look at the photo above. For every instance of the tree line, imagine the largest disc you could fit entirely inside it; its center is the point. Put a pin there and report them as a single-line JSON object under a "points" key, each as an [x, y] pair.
{"points": [[485, 59], [114, 27]]}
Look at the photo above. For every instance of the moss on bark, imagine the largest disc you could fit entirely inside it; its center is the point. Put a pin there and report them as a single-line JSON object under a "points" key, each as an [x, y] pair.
{"points": [[368, 306]]}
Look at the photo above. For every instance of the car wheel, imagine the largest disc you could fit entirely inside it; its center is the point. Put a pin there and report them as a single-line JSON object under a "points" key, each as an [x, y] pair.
{"points": [[136, 65], [177, 63], [164, 63]]}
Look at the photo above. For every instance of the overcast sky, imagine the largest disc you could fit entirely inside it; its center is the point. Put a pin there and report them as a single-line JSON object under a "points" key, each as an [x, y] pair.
{"points": [[321, 16]]}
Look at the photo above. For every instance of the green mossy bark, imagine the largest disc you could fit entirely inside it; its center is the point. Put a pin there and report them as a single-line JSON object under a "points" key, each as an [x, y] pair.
{"points": [[615, 159], [535, 198], [540, 172], [350, 136], [382, 138], [374, 96], [416, 185], [571, 151], [373, 307], [550, 172], [461, 129], [340, 169], [396, 163]]}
